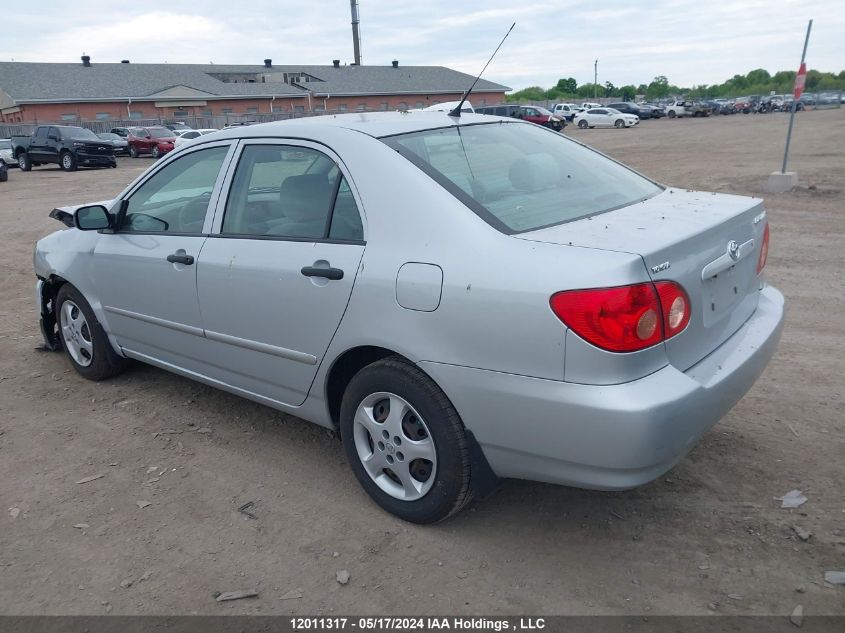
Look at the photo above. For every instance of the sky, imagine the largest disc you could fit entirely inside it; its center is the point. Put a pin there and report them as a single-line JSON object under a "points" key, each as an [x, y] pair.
{"points": [[692, 42]]}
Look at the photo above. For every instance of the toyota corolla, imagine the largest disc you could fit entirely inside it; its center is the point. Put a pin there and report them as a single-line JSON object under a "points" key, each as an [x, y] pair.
{"points": [[463, 299]]}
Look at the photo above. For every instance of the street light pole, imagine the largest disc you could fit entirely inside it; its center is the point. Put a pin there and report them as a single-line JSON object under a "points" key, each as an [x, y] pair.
{"points": [[596, 80]]}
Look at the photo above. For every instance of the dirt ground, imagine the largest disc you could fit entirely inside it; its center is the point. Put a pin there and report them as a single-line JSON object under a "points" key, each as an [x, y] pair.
{"points": [[708, 537]]}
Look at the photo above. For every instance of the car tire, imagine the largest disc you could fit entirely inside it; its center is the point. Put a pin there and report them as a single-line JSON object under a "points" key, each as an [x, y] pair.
{"points": [[4, 175], [671, 114], [419, 490], [133, 151], [67, 161], [619, 123], [583, 124], [24, 162], [83, 338], [156, 152]]}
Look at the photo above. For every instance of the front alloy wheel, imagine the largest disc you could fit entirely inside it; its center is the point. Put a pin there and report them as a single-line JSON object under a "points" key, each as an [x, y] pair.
{"points": [[76, 334], [156, 152]]}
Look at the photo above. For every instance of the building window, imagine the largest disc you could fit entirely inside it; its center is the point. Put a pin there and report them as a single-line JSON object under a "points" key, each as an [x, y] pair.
{"points": [[180, 114], [207, 113], [252, 110], [103, 116], [279, 109], [342, 107], [402, 106], [319, 109], [227, 110], [68, 117], [383, 106], [299, 109], [362, 107], [136, 114]]}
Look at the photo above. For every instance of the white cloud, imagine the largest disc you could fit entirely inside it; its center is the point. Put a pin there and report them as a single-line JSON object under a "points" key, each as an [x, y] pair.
{"points": [[689, 41]]}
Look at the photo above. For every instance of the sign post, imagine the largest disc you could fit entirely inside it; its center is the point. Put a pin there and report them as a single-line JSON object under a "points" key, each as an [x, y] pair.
{"points": [[781, 181], [800, 80]]}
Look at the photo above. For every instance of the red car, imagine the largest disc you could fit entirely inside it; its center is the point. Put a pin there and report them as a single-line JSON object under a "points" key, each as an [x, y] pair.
{"points": [[150, 140]]}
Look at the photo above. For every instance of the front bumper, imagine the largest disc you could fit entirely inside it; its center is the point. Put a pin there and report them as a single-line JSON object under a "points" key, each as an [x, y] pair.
{"points": [[88, 160], [609, 437]]}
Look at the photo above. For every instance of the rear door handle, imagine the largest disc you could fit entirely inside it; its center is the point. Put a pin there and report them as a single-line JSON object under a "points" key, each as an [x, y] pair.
{"points": [[329, 273], [177, 258]]}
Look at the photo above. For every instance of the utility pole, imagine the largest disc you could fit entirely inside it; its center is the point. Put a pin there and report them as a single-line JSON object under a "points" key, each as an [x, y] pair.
{"points": [[596, 80]]}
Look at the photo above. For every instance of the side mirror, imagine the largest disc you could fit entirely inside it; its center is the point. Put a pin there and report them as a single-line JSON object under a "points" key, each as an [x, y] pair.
{"points": [[92, 218]]}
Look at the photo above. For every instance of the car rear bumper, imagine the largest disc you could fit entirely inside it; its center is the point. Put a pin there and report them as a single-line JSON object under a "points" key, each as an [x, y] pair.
{"points": [[609, 437]]}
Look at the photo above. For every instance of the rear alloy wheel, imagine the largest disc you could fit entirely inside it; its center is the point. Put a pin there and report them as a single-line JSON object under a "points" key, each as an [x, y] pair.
{"points": [[156, 152], [68, 161], [405, 442], [84, 339], [133, 151], [24, 162], [619, 123], [671, 114], [583, 124]]}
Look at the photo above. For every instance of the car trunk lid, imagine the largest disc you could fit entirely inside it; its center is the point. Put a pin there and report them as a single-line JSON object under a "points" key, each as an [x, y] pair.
{"points": [[709, 243]]}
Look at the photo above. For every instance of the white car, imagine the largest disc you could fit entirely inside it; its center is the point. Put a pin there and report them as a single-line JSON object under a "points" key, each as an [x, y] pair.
{"points": [[6, 155], [566, 110], [605, 117], [588, 105], [448, 106], [189, 135], [678, 109]]}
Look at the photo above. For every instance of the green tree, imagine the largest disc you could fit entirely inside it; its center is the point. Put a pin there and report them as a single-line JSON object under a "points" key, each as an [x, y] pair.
{"points": [[658, 88], [567, 86], [609, 89], [628, 93], [758, 77]]}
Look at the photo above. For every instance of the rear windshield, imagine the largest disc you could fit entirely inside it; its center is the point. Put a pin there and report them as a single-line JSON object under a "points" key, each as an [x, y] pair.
{"points": [[520, 177]]}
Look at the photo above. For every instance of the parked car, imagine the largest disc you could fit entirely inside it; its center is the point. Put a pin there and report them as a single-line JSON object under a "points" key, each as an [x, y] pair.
{"points": [[628, 107], [154, 140], [657, 111], [567, 349], [532, 114], [68, 146], [191, 135], [565, 110], [605, 117], [120, 144], [4, 172], [587, 105], [178, 126], [448, 106], [123, 132], [7, 156]]}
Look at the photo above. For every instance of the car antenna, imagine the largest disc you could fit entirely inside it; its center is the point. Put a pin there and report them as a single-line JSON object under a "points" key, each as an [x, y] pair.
{"points": [[457, 111]]}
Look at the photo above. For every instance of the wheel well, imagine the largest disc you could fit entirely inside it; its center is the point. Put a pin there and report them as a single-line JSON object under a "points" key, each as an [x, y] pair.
{"points": [[345, 367]]}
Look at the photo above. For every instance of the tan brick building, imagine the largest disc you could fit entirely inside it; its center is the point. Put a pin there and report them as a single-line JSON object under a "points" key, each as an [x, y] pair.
{"points": [[86, 91]]}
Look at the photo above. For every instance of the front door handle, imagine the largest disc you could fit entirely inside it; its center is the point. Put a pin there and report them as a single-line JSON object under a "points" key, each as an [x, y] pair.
{"points": [[180, 258], [329, 273]]}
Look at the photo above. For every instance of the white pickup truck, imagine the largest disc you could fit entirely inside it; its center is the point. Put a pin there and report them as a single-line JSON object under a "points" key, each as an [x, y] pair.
{"points": [[566, 110]]}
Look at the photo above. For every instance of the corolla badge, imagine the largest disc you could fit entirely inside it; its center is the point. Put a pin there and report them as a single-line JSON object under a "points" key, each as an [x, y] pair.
{"points": [[659, 267]]}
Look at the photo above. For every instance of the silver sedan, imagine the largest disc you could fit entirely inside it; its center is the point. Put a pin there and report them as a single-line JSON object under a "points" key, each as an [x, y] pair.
{"points": [[464, 299]]}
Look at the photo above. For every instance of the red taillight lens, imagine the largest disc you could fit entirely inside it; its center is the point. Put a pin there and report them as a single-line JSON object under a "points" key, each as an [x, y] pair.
{"points": [[623, 319], [675, 306], [626, 318], [764, 250]]}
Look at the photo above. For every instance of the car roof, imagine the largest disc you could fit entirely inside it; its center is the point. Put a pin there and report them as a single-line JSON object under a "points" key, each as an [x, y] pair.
{"points": [[375, 124]]}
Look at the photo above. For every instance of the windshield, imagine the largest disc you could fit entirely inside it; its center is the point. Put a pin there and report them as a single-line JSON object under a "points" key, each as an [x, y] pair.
{"points": [[78, 132], [108, 136], [519, 177], [161, 132]]}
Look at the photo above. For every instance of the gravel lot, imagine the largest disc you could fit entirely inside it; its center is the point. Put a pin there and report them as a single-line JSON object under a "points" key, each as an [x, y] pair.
{"points": [[707, 537]]}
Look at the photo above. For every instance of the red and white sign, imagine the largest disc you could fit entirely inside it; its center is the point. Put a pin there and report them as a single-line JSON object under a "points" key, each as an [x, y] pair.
{"points": [[800, 80]]}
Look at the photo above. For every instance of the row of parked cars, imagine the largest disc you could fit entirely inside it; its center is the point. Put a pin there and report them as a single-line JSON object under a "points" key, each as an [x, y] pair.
{"points": [[71, 146]]}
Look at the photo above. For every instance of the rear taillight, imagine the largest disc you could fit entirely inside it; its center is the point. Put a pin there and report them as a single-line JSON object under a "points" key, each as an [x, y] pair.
{"points": [[675, 307], [625, 318], [764, 250]]}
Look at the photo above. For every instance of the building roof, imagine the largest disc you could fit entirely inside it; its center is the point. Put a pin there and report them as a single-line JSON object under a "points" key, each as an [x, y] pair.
{"points": [[28, 82]]}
